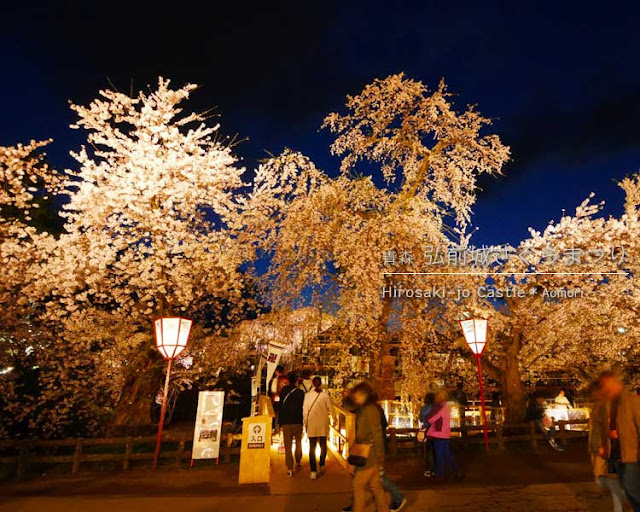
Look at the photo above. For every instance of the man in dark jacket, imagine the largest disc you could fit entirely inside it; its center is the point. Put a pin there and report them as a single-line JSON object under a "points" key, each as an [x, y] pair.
{"points": [[535, 413], [290, 419]]}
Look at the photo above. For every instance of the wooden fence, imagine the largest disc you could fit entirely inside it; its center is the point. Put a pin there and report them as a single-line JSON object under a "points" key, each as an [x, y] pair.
{"points": [[122, 450], [499, 434], [125, 450]]}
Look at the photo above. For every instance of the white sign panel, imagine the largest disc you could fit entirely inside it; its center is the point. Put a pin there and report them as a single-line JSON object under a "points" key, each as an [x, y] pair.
{"points": [[257, 435], [206, 436]]}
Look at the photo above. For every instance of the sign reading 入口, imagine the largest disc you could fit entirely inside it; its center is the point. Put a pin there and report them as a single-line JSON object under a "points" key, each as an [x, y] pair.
{"points": [[257, 435]]}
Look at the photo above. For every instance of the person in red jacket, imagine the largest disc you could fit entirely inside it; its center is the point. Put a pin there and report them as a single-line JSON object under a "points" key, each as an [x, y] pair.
{"points": [[439, 420]]}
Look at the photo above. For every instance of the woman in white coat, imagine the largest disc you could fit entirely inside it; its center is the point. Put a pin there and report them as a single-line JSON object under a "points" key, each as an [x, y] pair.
{"points": [[316, 411]]}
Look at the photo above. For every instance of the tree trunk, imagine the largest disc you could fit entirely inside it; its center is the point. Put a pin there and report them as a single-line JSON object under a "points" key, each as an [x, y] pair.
{"points": [[139, 391], [381, 347], [382, 374], [514, 398]]}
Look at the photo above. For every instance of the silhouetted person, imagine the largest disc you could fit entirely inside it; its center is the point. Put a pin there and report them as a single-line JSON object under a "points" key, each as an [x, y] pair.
{"points": [[290, 419]]}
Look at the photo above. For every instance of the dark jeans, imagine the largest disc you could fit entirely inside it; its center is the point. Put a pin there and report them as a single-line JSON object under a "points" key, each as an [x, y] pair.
{"points": [[396, 496], [292, 433], [445, 461], [614, 486], [312, 451], [630, 476], [429, 457]]}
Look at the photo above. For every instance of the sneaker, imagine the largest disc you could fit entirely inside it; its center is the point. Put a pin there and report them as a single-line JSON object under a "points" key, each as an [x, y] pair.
{"points": [[289, 473], [321, 470], [429, 474], [314, 475], [298, 467], [399, 506], [554, 444], [348, 508]]}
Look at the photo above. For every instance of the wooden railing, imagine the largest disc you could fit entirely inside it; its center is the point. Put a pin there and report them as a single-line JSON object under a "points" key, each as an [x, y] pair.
{"points": [[342, 432], [122, 450], [499, 434], [25, 453], [265, 406]]}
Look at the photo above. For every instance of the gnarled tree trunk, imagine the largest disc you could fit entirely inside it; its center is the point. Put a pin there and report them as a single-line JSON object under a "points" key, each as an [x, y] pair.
{"points": [[141, 384], [514, 398]]}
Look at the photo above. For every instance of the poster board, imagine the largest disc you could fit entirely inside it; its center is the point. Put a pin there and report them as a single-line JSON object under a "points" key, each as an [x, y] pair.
{"points": [[208, 428]]}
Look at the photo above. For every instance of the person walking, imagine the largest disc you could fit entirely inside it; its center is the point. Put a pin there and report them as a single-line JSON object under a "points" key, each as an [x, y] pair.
{"points": [[368, 433], [305, 384], [619, 427], [272, 387], [601, 472], [398, 501], [461, 400], [316, 413], [429, 457], [439, 420], [274, 393], [290, 419]]}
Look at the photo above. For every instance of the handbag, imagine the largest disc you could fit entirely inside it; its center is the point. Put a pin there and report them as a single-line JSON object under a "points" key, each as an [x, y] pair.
{"points": [[422, 435], [358, 454]]}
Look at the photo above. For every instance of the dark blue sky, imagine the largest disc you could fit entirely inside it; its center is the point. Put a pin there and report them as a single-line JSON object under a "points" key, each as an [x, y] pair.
{"points": [[561, 79]]}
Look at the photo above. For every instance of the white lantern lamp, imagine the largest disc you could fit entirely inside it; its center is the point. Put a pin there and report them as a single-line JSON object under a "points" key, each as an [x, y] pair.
{"points": [[172, 336], [475, 334]]}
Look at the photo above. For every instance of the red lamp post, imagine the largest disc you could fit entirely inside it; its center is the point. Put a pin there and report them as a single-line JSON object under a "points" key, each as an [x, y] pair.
{"points": [[172, 335], [475, 333]]}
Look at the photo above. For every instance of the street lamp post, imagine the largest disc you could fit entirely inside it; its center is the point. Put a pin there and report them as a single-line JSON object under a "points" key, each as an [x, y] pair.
{"points": [[475, 334], [172, 335]]}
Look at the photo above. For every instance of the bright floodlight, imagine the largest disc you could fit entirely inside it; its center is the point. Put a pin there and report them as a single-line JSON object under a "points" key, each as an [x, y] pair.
{"points": [[172, 335], [475, 333]]}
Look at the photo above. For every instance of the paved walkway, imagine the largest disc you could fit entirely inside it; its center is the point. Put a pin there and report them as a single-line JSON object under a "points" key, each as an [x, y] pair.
{"points": [[335, 479], [514, 481], [535, 498]]}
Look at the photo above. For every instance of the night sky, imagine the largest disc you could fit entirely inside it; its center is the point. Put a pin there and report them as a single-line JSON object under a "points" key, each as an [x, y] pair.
{"points": [[561, 80]]}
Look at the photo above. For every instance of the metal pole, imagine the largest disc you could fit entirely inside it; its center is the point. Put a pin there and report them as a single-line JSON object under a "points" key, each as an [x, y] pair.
{"points": [[484, 412], [162, 412]]}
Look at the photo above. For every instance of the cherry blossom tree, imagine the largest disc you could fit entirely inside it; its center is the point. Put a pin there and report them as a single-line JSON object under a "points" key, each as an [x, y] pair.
{"points": [[149, 231], [576, 314], [326, 235], [26, 183]]}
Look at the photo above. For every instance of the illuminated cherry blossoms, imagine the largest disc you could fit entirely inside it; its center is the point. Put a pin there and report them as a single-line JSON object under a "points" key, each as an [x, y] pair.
{"points": [[159, 218]]}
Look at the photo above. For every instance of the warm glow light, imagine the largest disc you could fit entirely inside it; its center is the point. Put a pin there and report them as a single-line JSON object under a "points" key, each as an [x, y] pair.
{"points": [[475, 333], [172, 335]]}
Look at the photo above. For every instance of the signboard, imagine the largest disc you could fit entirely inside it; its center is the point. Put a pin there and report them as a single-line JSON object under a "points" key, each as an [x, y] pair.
{"points": [[257, 436], [255, 450], [273, 358], [208, 429]]}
